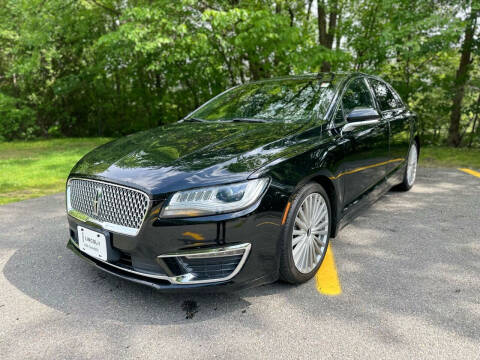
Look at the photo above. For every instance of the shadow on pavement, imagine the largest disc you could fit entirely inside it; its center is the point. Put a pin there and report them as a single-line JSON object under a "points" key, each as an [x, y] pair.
{"points": [[45, 270]]}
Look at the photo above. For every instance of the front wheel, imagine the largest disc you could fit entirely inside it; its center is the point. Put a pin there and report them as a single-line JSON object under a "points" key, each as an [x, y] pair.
{"points": [[306, 234], [411, 169]]}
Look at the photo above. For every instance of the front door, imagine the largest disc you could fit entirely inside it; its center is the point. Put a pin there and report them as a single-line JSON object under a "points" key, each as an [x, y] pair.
{"points": [[365, 147]]}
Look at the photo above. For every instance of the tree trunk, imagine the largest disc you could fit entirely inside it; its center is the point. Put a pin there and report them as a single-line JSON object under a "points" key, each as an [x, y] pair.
{"points": [[472, 134], [326, 36], [461, 78], [322, 23]]}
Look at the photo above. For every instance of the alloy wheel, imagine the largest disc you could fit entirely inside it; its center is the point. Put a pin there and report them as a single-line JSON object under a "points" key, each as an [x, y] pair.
{"points": [[310, 233], [412, 165]]}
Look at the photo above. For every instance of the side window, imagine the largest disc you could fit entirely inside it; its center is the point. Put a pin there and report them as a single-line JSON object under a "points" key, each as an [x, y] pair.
{"points": [[397, 98], [356, 96], [386, 98]]}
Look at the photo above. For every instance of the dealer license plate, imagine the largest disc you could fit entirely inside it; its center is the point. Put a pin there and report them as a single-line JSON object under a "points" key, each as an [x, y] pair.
{"points": [[92, 243]]}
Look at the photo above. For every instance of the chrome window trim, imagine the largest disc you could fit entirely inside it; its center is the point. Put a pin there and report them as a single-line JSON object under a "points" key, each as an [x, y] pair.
{"points": [[337, 101], [115, 228], [189, 278]]}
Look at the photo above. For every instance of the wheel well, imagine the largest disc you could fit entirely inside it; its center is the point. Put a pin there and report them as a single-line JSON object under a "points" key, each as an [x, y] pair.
{"points": [[332, 196]]}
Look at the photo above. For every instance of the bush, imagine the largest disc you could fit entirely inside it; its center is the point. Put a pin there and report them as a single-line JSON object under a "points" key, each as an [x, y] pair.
{"points": [[17, 121]]}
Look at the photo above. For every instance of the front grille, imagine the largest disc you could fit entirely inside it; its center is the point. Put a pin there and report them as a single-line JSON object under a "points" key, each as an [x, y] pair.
{"points": [[210, 268], [108, 203]]}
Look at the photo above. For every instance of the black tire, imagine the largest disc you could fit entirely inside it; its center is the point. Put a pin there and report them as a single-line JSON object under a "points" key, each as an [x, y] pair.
{"points": [[288, 270], [405, 185]]}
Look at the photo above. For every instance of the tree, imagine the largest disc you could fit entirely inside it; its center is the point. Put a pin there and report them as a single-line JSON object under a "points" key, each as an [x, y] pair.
{"points": [[461, 77], [113, 67], [330, 10]]}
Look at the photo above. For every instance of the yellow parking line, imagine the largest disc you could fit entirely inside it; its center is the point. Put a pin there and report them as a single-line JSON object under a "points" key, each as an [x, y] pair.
{"points": [[326, 277], [470, 171]]}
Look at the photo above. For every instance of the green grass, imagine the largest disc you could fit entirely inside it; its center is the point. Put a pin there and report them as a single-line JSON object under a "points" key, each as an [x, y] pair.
{"points": [[442, 156], [36, 168]]}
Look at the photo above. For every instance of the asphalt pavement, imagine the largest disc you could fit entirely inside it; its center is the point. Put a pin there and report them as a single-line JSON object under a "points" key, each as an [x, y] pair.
{"points": [[409, 269]]}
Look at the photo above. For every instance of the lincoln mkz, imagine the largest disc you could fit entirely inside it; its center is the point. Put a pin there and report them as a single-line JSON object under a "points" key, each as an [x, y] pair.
{"points": [[246, 189]]}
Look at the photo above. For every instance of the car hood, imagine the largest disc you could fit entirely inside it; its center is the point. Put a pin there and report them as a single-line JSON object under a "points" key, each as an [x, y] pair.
{"points": [[185, 155]]}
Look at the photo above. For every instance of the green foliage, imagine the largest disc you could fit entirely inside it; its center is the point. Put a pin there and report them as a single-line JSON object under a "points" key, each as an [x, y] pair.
{"points": [[17, 120], [112, 67]]}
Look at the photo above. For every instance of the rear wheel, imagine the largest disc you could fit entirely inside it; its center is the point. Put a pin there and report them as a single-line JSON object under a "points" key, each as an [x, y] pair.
{"points": [[306, 234], [411, 169]]}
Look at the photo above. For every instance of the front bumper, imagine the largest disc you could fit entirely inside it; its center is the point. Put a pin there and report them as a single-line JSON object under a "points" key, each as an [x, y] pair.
{"points": [[228, 251], [218, 272]]}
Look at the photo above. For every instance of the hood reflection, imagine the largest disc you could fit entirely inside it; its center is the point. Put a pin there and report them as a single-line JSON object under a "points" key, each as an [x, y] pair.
{"points": [[172, 157]]}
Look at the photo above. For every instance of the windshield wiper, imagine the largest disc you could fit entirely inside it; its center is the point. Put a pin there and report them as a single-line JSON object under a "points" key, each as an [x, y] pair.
{"points": [[194, 120], [250, 120]]}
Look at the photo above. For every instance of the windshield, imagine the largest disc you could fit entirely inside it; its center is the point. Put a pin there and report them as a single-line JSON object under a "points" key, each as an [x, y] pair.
{"points": [[291, 100]]}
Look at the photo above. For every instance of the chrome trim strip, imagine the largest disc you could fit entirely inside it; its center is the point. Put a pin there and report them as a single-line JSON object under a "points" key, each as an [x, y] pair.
{"points": [[206, 253], [189, 278], [119, 229]]}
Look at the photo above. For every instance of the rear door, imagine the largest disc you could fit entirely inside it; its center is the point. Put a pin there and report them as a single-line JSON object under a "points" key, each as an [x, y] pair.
{"points": [[394, 111], [366, 146]]}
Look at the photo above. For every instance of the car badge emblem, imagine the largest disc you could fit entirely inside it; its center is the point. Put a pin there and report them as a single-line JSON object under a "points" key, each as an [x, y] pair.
{"points": [[97, 201]]}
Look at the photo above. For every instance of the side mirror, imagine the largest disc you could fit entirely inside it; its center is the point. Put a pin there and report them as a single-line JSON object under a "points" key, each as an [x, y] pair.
{"points": [[363, 114], [361, 117]]}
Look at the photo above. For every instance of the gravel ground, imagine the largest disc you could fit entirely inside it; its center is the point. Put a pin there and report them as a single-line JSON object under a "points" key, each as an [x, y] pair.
{"points": [[409, 269]]}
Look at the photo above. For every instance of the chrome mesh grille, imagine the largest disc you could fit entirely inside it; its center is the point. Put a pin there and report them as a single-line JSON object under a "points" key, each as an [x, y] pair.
{"points": [[116, 205]]}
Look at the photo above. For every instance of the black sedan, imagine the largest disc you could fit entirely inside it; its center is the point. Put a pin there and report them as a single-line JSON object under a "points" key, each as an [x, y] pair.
{"points": [[248, 188]]}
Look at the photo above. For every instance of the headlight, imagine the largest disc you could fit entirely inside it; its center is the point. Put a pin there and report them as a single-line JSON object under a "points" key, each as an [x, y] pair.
{"points": [[215, 199]]}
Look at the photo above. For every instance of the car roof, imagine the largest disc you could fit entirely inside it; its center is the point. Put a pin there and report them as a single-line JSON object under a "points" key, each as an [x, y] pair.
{"points": [[322, 76]]}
